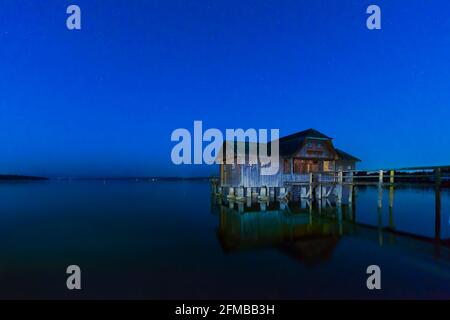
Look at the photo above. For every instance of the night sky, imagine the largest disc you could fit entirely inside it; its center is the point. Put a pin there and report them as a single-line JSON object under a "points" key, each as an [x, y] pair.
{"points": [[105, 99]]}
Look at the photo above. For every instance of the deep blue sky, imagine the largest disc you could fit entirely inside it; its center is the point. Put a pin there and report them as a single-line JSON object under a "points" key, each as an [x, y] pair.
{"points": [[104, 100]]}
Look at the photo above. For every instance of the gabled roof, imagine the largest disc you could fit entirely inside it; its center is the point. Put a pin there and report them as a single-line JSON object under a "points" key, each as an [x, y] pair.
{"points": [[292, 143], [345, 156], [308, 133], [288, 145]]}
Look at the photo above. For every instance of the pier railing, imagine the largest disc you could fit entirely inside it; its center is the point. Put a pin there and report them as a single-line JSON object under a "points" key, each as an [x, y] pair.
{"points": [[416, 175], [424, 175]]}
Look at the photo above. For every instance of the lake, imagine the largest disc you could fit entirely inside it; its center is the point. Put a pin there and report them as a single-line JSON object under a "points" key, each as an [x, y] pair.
{"points": [[173, 240]]}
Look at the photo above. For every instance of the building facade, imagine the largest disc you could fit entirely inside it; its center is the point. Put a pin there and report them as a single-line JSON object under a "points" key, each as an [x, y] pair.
{"points": [[301, 155]]}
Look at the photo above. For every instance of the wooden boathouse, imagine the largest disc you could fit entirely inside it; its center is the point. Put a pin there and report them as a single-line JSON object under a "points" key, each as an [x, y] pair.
{"points": [[302, 156], [309, 165]]}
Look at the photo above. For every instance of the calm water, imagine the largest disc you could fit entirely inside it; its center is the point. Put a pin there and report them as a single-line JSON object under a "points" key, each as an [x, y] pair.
{"points": [[171, 240]]}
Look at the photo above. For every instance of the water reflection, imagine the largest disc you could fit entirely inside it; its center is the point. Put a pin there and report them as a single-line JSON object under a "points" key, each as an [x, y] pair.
{"points": [[309, 229], [296, 235]]}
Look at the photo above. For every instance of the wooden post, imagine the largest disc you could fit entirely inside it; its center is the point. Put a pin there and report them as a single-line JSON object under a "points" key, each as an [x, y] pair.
{"points": [[380, 203], [391, 176], [319, 186], [380, 176], [339, 194], [303, 192], [350, 193], [324, 191], [223, 174], [391, 200], [350, 175], [391, 206], [340, 180], [380, 196], [311, 185]]}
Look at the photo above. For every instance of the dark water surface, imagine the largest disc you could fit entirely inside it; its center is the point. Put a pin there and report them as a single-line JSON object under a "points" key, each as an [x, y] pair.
{"points": [[172, 240]]}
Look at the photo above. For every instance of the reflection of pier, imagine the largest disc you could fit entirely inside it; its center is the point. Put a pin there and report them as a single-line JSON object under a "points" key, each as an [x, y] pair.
{"points": [[293, 225], [339, 187]]}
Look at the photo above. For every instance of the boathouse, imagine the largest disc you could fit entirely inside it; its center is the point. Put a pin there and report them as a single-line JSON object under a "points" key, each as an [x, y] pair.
{"points": [[302, 155]]}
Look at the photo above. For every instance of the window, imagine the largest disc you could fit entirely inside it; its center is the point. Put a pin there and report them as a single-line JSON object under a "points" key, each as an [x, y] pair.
{"points": [[309, 144], [287, 166], [319, 145]]}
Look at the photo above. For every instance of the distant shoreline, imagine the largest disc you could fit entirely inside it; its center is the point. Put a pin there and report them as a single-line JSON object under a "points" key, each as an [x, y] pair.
{"points": [[14, 177], [139, 178]]}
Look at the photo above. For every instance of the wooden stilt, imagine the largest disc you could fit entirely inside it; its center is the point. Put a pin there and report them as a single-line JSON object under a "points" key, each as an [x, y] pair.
{"points": [[319, 187]]}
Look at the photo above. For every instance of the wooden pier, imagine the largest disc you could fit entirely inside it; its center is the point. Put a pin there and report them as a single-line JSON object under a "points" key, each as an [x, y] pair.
{"points": [[339, 185]]}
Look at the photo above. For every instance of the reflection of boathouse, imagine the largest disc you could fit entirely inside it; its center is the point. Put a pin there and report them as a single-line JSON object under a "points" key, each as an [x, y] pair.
{"points": [[309, 230], [295, 235]]}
